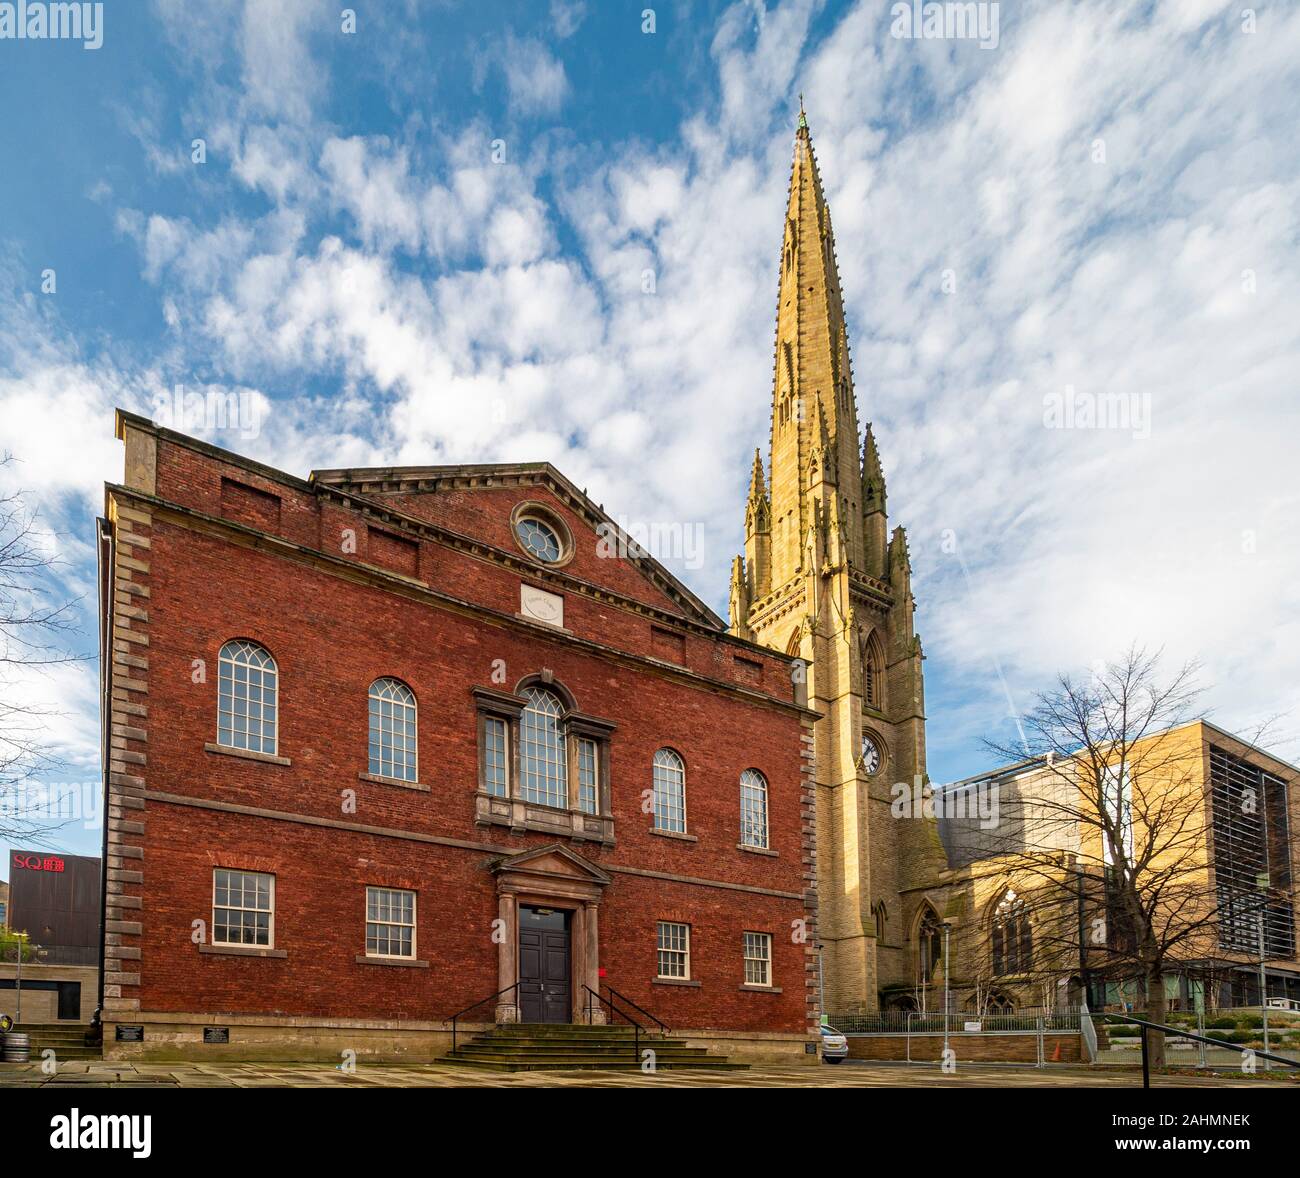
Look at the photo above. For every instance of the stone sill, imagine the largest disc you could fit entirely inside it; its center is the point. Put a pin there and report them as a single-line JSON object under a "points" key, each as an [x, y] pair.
{"points": [[761, 989], [377, 779], [229, 751], [677, 982], [757, 850], [672, 834], [521, 816], [408, 962], [243, 951]]}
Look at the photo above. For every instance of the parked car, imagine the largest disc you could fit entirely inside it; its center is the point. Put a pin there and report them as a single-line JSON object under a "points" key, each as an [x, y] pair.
{"points": [[835, 1047]]}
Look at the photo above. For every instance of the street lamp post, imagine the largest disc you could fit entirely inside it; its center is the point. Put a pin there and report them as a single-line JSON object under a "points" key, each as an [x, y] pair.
{"points": [[18, 983], [821, 982], [1263, 985], [947, 929]]}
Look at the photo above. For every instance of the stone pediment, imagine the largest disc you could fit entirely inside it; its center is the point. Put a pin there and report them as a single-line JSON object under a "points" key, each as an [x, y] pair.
{"points": [[553, 862], [476, 503]]}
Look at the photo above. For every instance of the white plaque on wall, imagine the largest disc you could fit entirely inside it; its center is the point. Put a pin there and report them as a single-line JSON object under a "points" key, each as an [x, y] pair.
{"points": [[541, 606]]}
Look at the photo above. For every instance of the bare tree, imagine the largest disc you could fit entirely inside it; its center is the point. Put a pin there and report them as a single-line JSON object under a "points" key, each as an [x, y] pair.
{"points": [[36, 624], [1110, 858]]}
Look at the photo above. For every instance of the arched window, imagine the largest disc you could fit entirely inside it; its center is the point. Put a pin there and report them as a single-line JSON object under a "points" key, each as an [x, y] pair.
{"points": [[753, 809], [392, 730], [536, 746], [1012, 940], [929, 945], [881, 913], [544, 763], [669, 792], [872, 673], [246, 697]]}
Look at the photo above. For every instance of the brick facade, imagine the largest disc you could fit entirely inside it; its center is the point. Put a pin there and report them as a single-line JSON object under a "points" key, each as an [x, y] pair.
{"points": [[414, 574]]}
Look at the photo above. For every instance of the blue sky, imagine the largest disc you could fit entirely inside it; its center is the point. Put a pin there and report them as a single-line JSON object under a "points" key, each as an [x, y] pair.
{"points": [[425, 241]]}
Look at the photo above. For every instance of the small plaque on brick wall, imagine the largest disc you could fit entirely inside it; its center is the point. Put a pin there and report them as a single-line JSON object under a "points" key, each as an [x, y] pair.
{"points": [[541, 606], [129, 1034], [216, 1034], [810, 1049]]}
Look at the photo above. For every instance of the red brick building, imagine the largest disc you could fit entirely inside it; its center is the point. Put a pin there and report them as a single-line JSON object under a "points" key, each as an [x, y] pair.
{"points": [[384, 742]]}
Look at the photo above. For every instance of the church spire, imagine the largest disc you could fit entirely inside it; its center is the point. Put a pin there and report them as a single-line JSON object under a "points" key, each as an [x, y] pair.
{"points": [[814, 413]]}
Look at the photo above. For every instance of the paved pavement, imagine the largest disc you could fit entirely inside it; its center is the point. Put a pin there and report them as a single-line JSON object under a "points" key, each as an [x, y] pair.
{"points": [[850, 1074]]}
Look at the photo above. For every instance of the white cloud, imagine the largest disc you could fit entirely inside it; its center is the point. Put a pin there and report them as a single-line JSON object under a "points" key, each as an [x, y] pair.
{"points": [[441, 299], [535, 79]]}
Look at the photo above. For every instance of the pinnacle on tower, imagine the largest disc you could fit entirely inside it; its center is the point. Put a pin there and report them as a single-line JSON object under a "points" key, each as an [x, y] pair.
{"points": [[873, 475]]}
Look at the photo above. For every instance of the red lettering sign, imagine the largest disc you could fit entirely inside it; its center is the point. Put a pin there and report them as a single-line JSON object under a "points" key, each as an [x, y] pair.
{"points": [[39, 862]]}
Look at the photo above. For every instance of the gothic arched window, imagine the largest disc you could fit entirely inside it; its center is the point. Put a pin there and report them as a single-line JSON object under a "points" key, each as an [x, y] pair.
{"points": [[929, 945], [1012, 939], [873, 664]]}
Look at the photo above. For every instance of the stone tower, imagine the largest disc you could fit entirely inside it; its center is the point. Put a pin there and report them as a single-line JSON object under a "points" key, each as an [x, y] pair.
{"points": [[822, 577]]}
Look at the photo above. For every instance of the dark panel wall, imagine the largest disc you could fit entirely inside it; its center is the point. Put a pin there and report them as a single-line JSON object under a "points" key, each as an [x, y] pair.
{"points": [[58, 909]]}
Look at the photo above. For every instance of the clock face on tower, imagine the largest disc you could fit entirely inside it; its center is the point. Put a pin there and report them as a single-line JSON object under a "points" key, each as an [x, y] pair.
{"points": [[870, 755]]}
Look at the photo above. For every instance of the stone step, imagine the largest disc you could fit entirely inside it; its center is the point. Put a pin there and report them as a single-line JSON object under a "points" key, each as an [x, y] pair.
{"points": [[593, 1040], [587, 1063], [535, 1046], [493, 1050], [601, 1030]]}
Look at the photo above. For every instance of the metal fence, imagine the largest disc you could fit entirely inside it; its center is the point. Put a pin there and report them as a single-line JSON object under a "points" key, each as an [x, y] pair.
{"points": [[956, 1022]]}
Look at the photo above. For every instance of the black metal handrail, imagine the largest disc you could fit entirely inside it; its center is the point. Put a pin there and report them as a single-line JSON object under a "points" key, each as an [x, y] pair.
{"points": [[609, 1001], [1147, 1027], [663, 1026], [475, 1006]]}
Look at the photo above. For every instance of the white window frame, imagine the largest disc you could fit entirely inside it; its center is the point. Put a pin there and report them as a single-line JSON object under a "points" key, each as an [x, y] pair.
{"points": [[394, 705], [678, 767], [539, 773], [594, 786], [392, 923], [763, 941], [684, 952], [271, 674], [270, 911], [505, 784], [752, 779]]}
